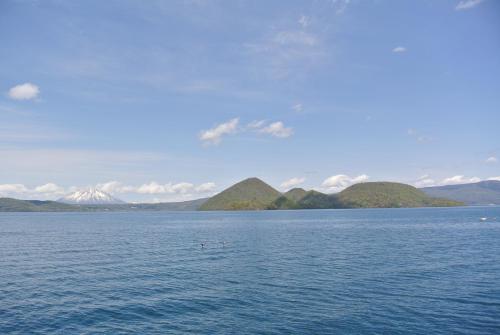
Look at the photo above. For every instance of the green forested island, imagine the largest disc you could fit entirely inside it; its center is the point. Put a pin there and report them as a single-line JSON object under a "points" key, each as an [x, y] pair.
{"points": [[254, 194]]}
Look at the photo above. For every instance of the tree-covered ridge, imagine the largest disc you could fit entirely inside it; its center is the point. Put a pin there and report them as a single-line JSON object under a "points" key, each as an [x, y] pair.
{"points": [[249, 194], [295, 194], [481, 193], [364, 195], [15, 205], [388, 195]]}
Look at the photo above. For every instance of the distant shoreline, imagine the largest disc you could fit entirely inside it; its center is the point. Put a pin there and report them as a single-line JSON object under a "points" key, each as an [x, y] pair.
{"points": [[253, 194]]}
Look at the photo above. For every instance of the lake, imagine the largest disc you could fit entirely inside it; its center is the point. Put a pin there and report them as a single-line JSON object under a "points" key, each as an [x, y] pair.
{"points": [[368, 271]]}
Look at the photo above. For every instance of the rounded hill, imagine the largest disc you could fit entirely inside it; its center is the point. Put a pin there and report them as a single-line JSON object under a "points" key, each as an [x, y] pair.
{"points": [[387, 194]]}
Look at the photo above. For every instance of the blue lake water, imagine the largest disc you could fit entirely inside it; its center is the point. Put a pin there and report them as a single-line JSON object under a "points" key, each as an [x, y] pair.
{"points": [[385, 271]]}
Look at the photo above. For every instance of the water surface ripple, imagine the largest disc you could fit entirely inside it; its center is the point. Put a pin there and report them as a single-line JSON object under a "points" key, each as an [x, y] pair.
{"points": [[380, 271]]}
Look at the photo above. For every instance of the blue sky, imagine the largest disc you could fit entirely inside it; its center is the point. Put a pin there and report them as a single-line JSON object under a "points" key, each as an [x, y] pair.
{"points": [[173, 100]]}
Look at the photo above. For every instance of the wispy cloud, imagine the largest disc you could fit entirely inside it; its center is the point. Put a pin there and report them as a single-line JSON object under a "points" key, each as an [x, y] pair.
{"points": [[418, 136], [340, 5], [45, 191], [399, 49], [424, 181], [277, 129], [304, 21], [26, 91], [215, 134], [491, 159], [26, 132], [339, 182], [467, 4], [298, 107], [459, 179], [427, 181], [286, 52], [256, 124], [290, 183]]}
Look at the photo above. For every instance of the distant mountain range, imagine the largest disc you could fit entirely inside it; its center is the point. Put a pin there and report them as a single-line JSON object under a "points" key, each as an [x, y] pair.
{"points": [[481, 193], [254, 194], [15, 205]]}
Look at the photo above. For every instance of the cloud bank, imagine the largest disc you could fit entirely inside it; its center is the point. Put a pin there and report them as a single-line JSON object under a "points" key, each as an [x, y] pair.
{"points": [[53, 191]]}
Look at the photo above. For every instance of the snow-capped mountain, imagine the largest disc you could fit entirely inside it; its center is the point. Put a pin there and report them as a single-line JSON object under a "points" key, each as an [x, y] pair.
{"points": [[90, 196]]}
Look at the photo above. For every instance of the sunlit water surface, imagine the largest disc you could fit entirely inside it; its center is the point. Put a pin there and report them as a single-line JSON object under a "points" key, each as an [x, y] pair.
{"points": [[386, 271]]}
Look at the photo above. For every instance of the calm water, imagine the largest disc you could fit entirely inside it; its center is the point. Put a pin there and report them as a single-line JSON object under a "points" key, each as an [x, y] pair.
{"points": [[396, 271]]}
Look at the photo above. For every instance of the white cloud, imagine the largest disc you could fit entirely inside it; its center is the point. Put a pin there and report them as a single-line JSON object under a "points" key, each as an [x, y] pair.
{"points": [[6, 189], [341, 181], [304, 21], [49, 188], [427, 181], [459, 179], [25, 91], [114, 187], [491, 159], [424, 181], [399, 49], [277, 129], [423, 138], [214, 135], [287, 184], [289, 37], [467, 4], [256, 124], [151, 188], [181, 188], [340, 5], [418, 136], [205, 187], [298, 107], [156, 188], [494, 178]]}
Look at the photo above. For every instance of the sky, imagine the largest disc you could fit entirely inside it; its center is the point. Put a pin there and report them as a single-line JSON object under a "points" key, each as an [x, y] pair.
{"points": [[176, 100]]}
